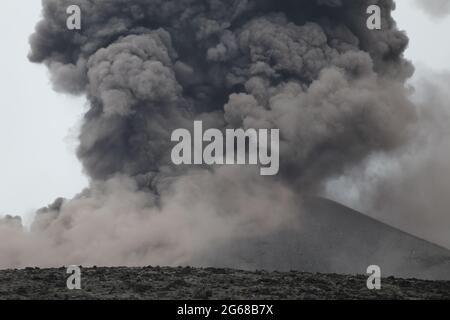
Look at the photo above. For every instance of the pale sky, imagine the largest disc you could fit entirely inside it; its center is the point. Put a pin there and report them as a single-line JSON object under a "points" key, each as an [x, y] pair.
{"points": [[38, 127]]}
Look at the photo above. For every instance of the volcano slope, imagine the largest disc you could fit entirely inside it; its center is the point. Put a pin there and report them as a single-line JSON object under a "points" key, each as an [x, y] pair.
{"points": [[331, 238]]}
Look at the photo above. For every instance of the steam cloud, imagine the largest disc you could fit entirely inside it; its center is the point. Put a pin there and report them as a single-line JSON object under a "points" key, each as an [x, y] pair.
{"points": [[335, 89]]}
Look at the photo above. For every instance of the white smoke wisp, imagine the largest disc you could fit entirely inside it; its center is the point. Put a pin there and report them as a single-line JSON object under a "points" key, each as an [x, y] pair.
{"points": [[434, 8]]}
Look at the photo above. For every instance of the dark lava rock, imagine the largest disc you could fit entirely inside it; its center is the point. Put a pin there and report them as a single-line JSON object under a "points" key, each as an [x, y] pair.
{"points": [[202, 284]]}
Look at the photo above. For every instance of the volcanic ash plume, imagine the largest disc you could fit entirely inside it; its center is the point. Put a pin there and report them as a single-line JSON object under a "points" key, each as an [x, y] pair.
{"points": [[309, 68]]}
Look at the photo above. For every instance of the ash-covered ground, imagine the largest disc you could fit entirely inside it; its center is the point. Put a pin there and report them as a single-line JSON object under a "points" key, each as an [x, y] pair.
{"points": [[201, 284]]}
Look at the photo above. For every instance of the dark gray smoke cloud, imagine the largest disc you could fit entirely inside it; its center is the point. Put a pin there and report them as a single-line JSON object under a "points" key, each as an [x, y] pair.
{"points": [[310, 68]]}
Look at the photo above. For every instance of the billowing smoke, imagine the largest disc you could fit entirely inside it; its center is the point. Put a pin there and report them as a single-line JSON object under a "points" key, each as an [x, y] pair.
{"points": [[410, 187], [312, 69]]}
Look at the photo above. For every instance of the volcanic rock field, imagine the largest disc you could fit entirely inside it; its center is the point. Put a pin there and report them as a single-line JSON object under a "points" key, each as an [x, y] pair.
{"points": [[163, 283]]}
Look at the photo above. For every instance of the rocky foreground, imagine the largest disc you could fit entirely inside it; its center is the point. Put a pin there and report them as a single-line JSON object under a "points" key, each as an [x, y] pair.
{"points": [[190, 283]]}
